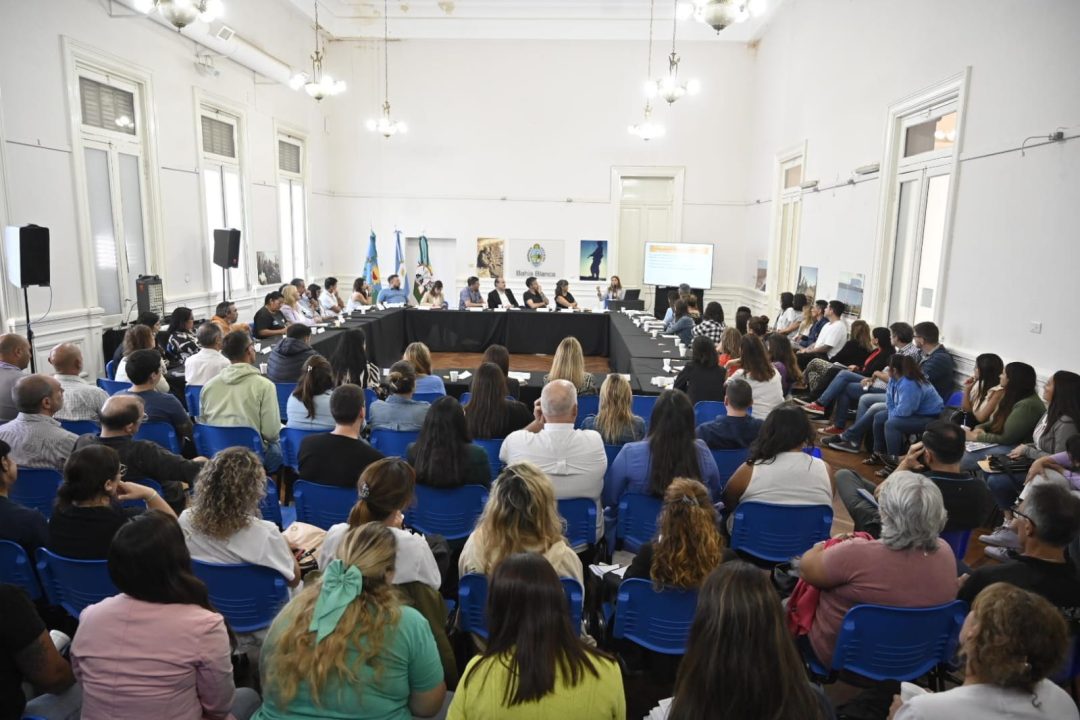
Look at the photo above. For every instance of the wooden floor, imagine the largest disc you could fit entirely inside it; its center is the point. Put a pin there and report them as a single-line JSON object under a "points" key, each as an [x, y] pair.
{"points": [[518, 363]]}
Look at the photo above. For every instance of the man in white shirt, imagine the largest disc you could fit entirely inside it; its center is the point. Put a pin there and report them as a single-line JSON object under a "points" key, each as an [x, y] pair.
{"points": [[204, 365], [832, 337], [329, 301], [82, 401], [573, 459]]}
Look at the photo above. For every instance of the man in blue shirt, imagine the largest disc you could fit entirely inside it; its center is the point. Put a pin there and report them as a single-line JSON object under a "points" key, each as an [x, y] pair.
{"points": [[393, 294], [736, 429], [470, 294]]}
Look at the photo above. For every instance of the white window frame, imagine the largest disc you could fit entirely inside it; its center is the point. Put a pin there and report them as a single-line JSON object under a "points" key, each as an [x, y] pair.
{"points": [[82, 60], [780, 275], [289, 134], [943, 97]]}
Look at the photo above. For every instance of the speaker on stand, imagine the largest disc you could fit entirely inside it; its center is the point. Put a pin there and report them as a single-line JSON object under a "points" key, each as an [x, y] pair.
{"points": [[226, 255], [26, 251]]}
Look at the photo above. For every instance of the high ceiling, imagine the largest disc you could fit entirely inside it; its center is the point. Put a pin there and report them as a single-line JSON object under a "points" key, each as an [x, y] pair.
{"points": [[521, 20]]}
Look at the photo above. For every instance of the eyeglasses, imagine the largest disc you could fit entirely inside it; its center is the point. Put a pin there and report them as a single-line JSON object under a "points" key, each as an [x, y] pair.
{"points": [[1023, 515]]}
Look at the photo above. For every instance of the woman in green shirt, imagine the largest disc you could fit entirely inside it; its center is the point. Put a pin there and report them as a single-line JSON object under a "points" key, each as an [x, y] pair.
{"points": [[1015, 418], [346, 647], [535, 666]]}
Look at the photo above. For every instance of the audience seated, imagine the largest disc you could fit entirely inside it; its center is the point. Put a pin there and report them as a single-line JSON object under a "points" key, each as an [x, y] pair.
{"points": [[499, 355], [758, 326], [338, 457], [286, 360], [831, 337], [851, 356], [682, 325], [225, 315], [937, 363], [329, 300], [712, 323], [742, 318], [418, 355], [804, 319], [144, 371], [564, 299], [910, 404], [121, 417], [14, 358], [1011, 642], [670, 450], [816, 322], [730, 347], [29, 658], [470, 297], [521, 515], [982, 391], [158, 649], [828, 387], [789, 317], [501, 297], [34, 436], [181, 343], [351, 617], [269, 322], [292, 309], [239, 396], [392, 293], [615, 420], [702, 378], [669, 314], [19, 524], [223, 524], [490, 413], [434, 297], [759, 373], [444, 455], [736, 429], [208, 362], [534, 663], [781, 353], [360, 297], [569, 364], [82, 399], [141, 337], [573, 460], [399, 411], [1016, 416], [739, 617], [349, 361], [308, 406], [88, 511], [151, 320]]}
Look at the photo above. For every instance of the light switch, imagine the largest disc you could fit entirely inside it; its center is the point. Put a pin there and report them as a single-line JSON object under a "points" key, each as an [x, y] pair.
{"points": [[1036, 327]]}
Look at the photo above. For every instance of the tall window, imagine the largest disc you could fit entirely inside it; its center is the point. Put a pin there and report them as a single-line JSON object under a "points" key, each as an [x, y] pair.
{"points": [[785, 248], [291, 207], [113, 146], [222, 187]]}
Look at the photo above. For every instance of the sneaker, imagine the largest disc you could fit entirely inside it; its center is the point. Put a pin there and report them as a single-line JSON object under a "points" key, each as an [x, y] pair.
{"points": [[1000, 554], [831, 430], [837, 442], [1003, 537], [800, 401], [814, 409]]}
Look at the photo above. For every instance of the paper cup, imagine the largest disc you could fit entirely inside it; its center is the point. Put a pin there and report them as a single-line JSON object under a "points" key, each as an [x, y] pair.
{"points": [[263, 367], [453, 376]]}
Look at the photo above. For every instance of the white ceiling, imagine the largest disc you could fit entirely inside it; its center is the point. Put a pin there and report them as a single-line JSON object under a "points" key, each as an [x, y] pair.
{"points": [[520, 20]]}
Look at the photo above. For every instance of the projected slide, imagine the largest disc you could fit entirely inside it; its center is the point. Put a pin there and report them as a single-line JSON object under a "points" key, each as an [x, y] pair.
{"points": [[675, 263]]}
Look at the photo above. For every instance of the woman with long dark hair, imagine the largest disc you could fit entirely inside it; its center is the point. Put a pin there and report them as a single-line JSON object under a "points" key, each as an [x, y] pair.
{"points": [[702, 378], [982, 393], [490, 413], [670, 450], [712, 323], [682, 325], [742, 318], [564, 299], [308, 407], [349, 361], [782, 354], [758, 371], [158, 649], [789, 318], [181, 343], [1016, 416], [535, 664], [500, 356], [444, 455], [739, 616]]}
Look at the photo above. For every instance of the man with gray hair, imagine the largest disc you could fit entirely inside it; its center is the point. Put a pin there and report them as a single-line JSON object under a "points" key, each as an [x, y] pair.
{"points": [[573, 459], [14, 357], [82, 401], [35, 438], [208, 362]]}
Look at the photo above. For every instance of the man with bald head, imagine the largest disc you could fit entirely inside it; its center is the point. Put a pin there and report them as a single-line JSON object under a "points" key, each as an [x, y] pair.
{"points": [[36, 439], [573, 459], [82, 401], [14, 357]]}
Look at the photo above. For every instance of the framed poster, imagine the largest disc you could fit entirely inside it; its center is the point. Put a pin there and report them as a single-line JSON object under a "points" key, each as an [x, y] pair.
{"points": [[592, 260], [850, 291], [490, 257], [269, 267], [807, 284]]}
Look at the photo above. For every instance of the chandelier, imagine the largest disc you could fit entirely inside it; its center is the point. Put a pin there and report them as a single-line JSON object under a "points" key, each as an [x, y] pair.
{"points": [[317, 85], [670, 88], [182, 13], [718, 14], [385, 125], [647, 129]]}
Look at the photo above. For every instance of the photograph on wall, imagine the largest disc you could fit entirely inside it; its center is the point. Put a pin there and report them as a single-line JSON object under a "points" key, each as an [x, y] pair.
{"points": [[269, 264], [807, 284], [592, 263], [490, 254], [762, 274], [850, 291], [542, 259]]}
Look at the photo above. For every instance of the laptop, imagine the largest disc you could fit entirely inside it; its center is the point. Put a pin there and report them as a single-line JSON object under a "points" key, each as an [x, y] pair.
{"points": [[632, 294]]}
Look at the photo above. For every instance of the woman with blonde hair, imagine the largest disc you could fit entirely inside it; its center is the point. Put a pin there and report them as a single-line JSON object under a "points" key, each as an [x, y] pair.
{"points": [[223, 524], [615, 420], [346, 646], [730, 347], [419, 356], [520, 516], [290, 308], [569, 364]]}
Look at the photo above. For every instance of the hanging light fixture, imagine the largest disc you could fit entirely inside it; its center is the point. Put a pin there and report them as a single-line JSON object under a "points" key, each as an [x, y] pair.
{"points": [[317, 85], [670, 87], [385, 125], [719, 14], [182, 13], [647, 129]]}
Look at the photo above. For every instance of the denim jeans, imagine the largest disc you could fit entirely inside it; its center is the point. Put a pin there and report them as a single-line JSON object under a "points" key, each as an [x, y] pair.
{"points": [[865, 423], [837, 387], [272, 457], [889, 432], [864, 514], [1005, 489]]}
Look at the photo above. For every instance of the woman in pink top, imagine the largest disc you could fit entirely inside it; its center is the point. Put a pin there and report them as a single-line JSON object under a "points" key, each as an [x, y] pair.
{"points": [[157, 650]]}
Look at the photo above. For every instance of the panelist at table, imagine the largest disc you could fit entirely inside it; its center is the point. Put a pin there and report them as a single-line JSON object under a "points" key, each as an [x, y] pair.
{"points": [[470, 294], [392, 294], [534, 297], [500, 296], [564, 299]]}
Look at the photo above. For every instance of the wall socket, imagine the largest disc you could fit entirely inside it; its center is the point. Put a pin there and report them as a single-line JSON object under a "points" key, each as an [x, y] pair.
{"points": [[1036, 327]]}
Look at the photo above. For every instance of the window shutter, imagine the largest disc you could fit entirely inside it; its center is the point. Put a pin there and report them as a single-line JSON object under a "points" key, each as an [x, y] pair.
{"points": [[106, 107], [288, 157], [218, 138]]}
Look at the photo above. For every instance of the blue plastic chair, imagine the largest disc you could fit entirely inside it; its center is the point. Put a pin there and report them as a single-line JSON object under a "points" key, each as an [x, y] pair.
{"points": [[148, 483], [958, 541], [110, 370], [1070, 669], [642, 406], [451, 513], [575, 595], [492, 447], [956, 399], [16, 568], [36, 488], [393, 442], [777, 533], [656, 620], [370, 396], [322, 505], [707, 411], [636, 523], [161, 433], [580, 517], [290, 445], [728, 461], [74, 584], [586, 405], [248, 596], [269, 506], [212, 439], [284, 390], [891, 643], [612, 452], [192, 393], [113, 386], [465, 398], [472, 601], [427, 397], [813, 452], [81, 427]]}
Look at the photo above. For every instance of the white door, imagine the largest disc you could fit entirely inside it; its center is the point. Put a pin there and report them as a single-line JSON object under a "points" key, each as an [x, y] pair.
{"points": [[921, 202], [645, 215]]}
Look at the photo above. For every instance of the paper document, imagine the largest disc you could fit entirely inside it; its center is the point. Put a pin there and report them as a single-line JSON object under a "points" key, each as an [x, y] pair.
{"points": [[660, 712], [600, 569], [464, 374], [976, 446], [519, 376]]}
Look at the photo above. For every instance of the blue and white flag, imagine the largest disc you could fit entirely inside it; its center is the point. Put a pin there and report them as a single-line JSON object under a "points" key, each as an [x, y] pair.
{"points": [[399, 263]]}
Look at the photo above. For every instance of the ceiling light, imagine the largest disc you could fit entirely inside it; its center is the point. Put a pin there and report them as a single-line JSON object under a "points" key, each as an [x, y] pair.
{"points": [[718, 14], [647, 129], [317, 85], [182, 13], [385, 125], [671, 88]]}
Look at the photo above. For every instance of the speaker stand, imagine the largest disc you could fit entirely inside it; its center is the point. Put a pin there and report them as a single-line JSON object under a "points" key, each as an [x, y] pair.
{"points": [[29, 329], [224, 285]]}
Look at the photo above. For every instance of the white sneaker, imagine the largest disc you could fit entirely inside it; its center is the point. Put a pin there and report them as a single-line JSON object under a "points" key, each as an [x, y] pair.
{"points": [[1003, 537]]}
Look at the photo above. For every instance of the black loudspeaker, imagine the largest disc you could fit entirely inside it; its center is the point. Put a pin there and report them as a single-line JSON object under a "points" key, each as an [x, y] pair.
{"points": [[227, 248], [27, 252]]}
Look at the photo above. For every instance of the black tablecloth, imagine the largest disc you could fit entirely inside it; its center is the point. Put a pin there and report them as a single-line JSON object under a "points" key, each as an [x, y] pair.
{"points": [[628, 342], [539, 333], [455, 330]]}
